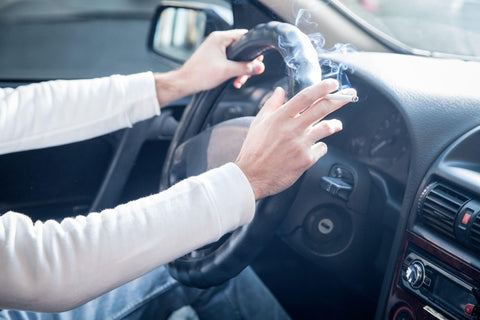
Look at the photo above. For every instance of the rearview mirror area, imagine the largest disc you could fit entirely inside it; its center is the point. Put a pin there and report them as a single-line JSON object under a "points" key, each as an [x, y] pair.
{"points": [[178, 30]]}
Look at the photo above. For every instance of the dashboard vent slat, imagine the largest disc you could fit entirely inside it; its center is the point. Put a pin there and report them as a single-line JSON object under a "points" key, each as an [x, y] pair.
{"points": [[439, 205], [475, 232]]}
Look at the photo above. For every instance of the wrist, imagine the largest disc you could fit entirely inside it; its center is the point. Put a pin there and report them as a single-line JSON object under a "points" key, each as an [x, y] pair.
{"points": [[170, 86], [254, 183]]}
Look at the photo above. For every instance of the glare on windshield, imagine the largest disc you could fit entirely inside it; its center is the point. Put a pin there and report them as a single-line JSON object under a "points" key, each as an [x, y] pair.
{"points": [[444, 26]]}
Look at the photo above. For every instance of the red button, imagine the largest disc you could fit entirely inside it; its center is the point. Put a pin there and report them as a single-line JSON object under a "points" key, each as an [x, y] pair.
{"points": [[466, 218], [468, 309]]}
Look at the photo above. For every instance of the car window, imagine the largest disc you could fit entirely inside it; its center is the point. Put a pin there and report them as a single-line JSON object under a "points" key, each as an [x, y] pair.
{"points": [[436, 26], [50, 39], [14, 10]]}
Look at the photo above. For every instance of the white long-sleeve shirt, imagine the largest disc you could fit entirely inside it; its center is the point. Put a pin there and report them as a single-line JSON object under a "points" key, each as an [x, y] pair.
{"points": [[50, 266]]}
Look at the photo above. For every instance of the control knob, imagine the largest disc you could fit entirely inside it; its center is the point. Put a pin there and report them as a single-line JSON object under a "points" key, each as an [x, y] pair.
{"points": [[415, 273]]}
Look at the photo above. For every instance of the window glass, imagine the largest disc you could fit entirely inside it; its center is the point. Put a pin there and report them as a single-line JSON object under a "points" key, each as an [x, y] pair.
{"points": [[51, 39], [445, 26]]}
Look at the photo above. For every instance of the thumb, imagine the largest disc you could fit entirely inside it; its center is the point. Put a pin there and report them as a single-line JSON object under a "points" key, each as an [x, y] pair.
{"points": [[246, 68]]}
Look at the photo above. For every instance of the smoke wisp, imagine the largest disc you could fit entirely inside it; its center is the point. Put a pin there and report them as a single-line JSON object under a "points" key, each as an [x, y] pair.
{"points": [[330, 69]]}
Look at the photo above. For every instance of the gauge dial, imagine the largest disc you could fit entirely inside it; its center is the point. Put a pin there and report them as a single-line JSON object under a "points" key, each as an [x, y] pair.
{"points": [[390, 139]]}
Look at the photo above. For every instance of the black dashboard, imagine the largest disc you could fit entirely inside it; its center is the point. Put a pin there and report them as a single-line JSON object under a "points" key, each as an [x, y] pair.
{"points": [[413, 126], [374, 133], [434, 256]]}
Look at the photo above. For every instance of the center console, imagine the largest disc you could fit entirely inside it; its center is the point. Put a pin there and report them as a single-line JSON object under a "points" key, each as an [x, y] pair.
{"points": [[437, 274], [433, 284]]}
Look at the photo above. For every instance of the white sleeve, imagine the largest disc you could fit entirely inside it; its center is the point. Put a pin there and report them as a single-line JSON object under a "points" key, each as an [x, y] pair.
{"points": [[63, 111], [52, 267]]}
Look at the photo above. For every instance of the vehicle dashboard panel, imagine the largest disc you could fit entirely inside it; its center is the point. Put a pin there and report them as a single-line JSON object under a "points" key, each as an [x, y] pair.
{"points": [[437, 111], [374, 133]]}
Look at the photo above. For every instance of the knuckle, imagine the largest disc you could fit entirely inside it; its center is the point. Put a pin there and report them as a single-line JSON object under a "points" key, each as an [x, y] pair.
{"points": [[318, 113], [290, 133], [320, 129], [305, 158], [329, 128], [297, 150], [215, 35], [306, 162], [304, 94]]}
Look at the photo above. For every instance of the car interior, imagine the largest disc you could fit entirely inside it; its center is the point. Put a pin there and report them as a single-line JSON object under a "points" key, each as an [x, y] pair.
{"points": [[385, 226]]}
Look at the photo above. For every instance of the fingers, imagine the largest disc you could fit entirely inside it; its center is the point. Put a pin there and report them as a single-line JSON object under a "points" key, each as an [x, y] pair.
{"points": [[319, 110], [275, 101], [226, 38], [324, 129], [250, 68], [318, 150], [241, 70], [244, 70], [240, 81], [308, 96]]}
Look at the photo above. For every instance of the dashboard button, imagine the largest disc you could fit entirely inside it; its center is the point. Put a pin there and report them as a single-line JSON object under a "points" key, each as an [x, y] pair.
{"points": [[415, 274], [469, 309], [427, 281]]}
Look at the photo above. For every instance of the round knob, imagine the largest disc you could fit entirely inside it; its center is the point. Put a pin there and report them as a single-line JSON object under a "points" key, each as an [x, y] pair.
{"points": [[415, 273]]}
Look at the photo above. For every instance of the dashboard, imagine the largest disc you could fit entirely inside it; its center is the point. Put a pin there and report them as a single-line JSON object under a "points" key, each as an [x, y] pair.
{"points": [[433, 269], [412, 128], [374, 133]]}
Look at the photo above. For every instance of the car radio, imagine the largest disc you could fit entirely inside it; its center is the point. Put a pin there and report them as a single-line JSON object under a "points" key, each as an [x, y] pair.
{"points": [[439, 287]]}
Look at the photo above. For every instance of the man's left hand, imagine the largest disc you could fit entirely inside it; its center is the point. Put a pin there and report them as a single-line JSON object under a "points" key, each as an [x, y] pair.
{"points": [[207, 68]]}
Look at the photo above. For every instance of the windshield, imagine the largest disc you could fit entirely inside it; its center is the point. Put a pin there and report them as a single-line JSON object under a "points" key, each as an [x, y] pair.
{"points": [[437, 26]]}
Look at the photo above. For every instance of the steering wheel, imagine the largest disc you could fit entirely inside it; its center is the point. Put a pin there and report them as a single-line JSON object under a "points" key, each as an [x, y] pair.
{"points": [[195, 150]]}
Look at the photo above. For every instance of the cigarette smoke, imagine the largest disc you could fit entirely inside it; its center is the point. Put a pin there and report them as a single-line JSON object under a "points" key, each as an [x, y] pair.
{"points": [[330, 69]]}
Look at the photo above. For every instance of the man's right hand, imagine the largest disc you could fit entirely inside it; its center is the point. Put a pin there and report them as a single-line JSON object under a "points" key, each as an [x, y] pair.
{"points": [[283, 141]]}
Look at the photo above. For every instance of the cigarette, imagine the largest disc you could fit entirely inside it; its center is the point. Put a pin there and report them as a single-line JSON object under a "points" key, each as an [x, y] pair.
{"points": [[341, 97]]}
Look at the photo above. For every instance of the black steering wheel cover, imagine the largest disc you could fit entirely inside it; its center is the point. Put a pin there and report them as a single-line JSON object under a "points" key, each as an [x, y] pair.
{"points": [[300, 56], [243, 245]]}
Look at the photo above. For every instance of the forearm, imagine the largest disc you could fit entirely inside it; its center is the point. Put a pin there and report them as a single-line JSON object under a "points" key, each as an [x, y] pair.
{"points": [[57, 112], [81, 258]]}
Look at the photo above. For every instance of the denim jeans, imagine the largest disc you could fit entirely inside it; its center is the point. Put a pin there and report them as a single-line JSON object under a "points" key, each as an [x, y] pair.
{"points": [[157, 295]]}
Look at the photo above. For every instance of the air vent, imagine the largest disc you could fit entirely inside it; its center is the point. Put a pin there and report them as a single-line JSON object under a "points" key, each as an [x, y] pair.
{"points": [[439, 205], [474, 237]]}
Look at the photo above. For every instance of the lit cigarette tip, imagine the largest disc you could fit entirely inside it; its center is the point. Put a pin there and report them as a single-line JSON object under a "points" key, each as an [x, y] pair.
{"points": [[341, 97]]}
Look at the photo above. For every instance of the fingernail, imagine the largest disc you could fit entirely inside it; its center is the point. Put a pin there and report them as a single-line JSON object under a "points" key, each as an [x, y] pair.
{"points": [[323, 147], [256, 67], [337, 124]]}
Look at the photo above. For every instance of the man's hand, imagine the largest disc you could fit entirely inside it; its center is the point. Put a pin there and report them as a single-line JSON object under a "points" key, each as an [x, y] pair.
{"points": [[207, 68], [282, 141]]}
